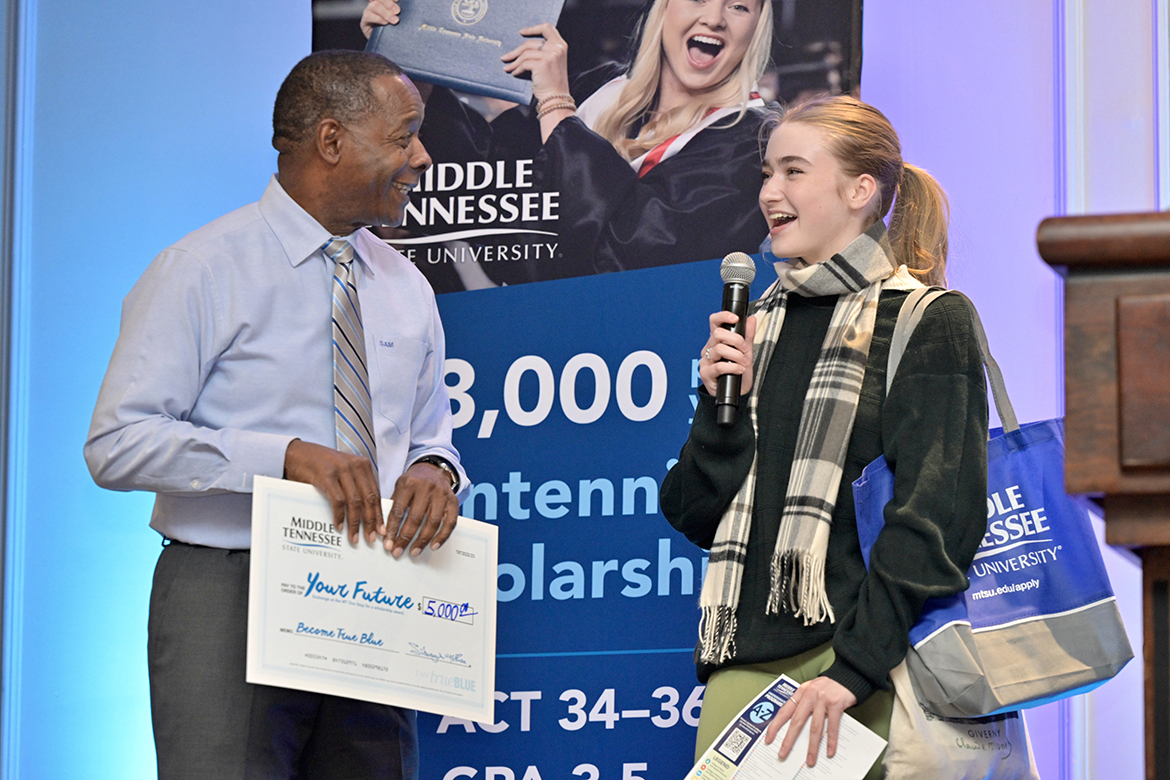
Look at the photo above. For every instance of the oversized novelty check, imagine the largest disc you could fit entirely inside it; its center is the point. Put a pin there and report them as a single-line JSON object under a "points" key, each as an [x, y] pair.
{"points": [[351, 620]]}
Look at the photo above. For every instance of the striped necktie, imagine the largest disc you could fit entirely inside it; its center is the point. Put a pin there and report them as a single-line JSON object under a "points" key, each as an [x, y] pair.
{"points": [[351, 378]]}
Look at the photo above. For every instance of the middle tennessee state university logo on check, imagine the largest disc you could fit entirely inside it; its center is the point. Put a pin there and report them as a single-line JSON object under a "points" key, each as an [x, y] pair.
{"points": [[468, 12]]}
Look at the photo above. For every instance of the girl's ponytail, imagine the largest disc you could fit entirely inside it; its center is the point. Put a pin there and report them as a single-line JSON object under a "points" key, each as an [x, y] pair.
{"points": [[918, 226]]}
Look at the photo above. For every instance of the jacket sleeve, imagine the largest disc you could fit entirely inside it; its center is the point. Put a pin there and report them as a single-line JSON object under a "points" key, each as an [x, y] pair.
{"points": [[453, 131], [711, 467], [934, 438], [700, 205]]}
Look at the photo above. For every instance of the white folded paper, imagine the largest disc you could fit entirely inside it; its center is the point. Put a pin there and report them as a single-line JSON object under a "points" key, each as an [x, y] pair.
{"points": [[740, 752]]}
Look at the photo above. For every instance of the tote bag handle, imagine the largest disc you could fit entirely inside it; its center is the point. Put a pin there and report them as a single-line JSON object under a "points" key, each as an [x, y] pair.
{"points": [[913, 308]]}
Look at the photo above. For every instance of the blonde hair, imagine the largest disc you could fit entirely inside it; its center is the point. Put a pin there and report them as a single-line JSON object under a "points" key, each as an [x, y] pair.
{"points": [[641, 89], [864, 141]]}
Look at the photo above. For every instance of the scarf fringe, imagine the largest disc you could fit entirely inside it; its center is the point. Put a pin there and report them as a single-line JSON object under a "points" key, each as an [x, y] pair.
{"points": [[798, 587], [717, 634]]}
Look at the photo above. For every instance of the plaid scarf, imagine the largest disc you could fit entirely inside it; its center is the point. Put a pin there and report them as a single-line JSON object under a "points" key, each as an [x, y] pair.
{"points": [[826, 422]]}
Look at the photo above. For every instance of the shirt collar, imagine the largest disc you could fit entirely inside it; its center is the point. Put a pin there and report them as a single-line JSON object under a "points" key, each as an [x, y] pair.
{"points": [[300, 235]]}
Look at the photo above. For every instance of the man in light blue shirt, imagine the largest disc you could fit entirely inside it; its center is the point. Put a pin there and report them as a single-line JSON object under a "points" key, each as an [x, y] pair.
{"points": [[224, 369]]}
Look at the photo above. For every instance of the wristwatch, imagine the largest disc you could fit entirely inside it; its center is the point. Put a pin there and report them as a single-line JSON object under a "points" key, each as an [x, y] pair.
{"points": [[447, 468]]}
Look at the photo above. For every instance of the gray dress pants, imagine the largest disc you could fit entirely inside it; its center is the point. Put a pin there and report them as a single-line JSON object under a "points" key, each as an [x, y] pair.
{"points": [[209, 724]]}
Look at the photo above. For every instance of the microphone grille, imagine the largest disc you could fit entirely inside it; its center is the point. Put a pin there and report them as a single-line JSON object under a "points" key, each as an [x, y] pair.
{"points": [[737, 267]]}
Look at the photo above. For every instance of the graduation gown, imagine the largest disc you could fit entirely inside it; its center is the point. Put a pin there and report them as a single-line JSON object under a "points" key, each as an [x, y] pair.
{"points": [[699, 202]]}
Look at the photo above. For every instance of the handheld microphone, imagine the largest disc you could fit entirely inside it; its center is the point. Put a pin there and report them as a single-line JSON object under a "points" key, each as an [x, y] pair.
{"points": [[737, 271]]}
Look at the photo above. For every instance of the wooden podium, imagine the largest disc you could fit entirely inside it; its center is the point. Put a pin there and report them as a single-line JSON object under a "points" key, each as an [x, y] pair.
{"points": [[1117, 410]]}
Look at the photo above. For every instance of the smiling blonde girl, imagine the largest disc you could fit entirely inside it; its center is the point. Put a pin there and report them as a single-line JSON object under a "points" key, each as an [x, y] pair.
{"points": [[786, 590]]}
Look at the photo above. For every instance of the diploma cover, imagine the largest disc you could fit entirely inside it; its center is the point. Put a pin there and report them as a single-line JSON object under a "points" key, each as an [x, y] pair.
{"points": [[458, 43]]}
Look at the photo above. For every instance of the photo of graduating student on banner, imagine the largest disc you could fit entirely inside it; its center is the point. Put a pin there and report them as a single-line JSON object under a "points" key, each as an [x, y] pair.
{"points": [[614, 165]]}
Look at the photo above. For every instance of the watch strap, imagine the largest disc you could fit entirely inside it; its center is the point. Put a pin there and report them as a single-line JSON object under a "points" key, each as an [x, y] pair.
{"points": [[446, 467]]}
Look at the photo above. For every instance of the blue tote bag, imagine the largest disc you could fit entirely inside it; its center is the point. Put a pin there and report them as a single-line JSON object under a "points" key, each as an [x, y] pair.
{"points": [[1039, 621]]}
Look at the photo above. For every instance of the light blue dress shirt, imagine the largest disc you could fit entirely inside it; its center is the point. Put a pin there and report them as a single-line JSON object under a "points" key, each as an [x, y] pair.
{"points": [[225, 356]]}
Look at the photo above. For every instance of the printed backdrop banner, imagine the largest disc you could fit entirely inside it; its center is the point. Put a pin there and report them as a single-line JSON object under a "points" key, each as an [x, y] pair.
{"points": [[572, 399]]}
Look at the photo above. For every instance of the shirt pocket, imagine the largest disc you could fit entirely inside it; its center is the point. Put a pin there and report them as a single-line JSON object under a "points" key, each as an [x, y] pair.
{"points": [[399, 362]]}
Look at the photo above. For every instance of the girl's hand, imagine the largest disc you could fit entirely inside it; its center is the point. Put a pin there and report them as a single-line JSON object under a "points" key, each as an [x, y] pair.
{"points": [[823, 700], [726, 352], [378, 13], [545, 57]]}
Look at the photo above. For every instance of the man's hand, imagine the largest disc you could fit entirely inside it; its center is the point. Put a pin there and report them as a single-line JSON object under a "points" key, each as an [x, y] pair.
{"points": [[822, 699], [423, 495], [347, 480]]}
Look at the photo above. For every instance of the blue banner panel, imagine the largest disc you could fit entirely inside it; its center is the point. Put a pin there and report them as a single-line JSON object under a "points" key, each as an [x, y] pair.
{"points": [[595, 717], [571, 399]]}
